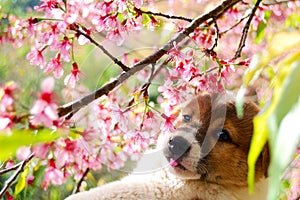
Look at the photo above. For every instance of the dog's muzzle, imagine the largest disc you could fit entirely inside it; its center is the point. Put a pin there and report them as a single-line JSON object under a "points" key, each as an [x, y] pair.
{"points": [[178, 147]]}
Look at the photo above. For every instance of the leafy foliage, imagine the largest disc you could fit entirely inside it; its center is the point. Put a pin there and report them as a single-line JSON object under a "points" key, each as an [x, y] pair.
{"points": [[277, 121]]}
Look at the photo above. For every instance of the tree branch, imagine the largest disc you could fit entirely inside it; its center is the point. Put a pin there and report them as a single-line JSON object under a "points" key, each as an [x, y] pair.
{"points": [[114, 59], [164, 15], [245, 31], [77, 188], [72, 107], [10, 181], [4, 171], [217, 35]]}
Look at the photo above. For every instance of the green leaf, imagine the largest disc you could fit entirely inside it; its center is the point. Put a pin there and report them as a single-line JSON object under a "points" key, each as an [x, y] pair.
{"points": [[21, 181], [259, 139], [10, 143]]}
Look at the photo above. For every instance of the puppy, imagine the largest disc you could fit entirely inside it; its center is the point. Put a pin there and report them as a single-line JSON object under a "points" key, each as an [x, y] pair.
{"points": [[206, 156]]}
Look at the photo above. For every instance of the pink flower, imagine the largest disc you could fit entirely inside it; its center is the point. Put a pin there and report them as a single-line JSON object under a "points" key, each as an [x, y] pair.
{"points": [[176, 53], [122, 5], [167, 125], [116, 36], [66, 152], [98, 21], [170, 93], [64, 47], [73, 77], [41, 150], [110, 22], [138, 3], [51, 37], [131, 24], [47, 5], [82, 40], [9, 164], [23, 153], [6, 97], [44, 109], [118, 118], [5, 122], [105, 7], [190, 72], [36, 57], [30, 28], [53, 175], [55, 66]]}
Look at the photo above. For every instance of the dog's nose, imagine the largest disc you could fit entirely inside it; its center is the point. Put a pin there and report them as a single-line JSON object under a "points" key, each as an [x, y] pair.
{"points": [[178, 146]]}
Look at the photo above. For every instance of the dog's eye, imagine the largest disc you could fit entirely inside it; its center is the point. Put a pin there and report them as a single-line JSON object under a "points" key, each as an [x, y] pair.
{"points": [[224, 136], [187, 118]]}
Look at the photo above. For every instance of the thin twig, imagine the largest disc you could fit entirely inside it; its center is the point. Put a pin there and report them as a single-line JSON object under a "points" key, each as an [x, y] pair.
{"points": [[77, 188], [73, 107], [114, 59], [157, 71], [10, 181], [4, 171], [235, 25], [245, 31], [164, 15], [217, 34]]}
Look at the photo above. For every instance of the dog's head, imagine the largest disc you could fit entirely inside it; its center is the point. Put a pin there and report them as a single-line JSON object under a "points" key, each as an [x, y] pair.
{"points": [[211, 143]]}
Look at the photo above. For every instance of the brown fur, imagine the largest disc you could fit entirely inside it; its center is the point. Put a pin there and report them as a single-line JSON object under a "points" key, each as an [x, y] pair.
{"points": [[210, 169]]}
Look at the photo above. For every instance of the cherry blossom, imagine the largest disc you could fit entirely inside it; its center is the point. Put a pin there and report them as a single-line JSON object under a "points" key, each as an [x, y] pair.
{"points": [[73, 77], [36, 57], [5, 122], [44, 109], [53, 175], [41, 150], [65, 47], [176, 53], [55, 66], [6, 97], [167, 125], [23, 153]]}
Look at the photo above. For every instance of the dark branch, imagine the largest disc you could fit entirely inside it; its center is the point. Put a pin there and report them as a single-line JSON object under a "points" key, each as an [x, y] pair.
{"points": [[245, 31], [72, 107], [217, 34], [164, 15], [77, 188], [10, 181], [118, 62], [4, 171]]}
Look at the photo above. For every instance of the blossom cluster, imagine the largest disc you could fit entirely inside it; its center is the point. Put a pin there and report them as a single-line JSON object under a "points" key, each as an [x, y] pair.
{"points": [[7, 107]]}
